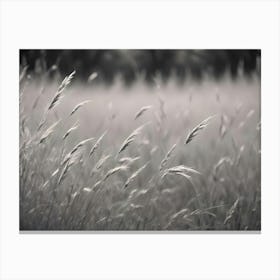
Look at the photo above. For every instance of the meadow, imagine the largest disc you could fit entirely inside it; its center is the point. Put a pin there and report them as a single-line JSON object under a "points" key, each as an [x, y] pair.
{"points": [[145, 157]]}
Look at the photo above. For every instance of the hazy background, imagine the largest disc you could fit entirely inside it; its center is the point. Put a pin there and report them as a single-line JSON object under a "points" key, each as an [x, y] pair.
{"points": [[131, 65]]}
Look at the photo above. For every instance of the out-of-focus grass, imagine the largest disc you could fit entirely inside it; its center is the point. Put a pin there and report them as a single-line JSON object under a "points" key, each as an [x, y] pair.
{"points": [[225, 196]]}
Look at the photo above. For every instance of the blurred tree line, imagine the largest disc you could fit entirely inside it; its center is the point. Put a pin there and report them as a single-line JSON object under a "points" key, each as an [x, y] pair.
{"points": [[132, 64]]}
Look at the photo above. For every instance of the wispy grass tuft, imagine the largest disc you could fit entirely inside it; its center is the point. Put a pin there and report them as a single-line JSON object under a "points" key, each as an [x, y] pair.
{"points": [[141, 111], [58, 96], [193, 133], [48, 132], [131, 138]]}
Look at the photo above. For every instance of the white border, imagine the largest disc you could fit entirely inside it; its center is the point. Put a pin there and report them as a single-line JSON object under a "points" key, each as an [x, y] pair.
{"points": [[154, 24]]}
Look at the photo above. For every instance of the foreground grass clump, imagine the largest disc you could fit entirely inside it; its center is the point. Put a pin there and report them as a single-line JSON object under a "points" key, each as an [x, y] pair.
{"points": [[168, 158]]}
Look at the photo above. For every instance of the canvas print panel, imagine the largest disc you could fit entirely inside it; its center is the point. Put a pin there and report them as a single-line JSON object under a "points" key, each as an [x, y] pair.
{"points": [[140, 140]]}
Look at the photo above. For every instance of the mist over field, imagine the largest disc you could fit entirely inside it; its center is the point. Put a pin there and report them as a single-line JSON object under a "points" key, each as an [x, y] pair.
{"points": [[151, 155]]}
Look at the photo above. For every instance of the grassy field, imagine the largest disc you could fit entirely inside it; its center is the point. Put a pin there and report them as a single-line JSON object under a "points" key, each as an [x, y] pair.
{"points": [[102, 166]]}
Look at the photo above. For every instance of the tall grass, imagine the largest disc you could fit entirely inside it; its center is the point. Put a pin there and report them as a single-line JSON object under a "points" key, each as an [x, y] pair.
{"points": [[85, 165]]}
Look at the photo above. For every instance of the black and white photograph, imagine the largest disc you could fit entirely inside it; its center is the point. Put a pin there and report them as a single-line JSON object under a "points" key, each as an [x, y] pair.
{"points": [[140, 140]]}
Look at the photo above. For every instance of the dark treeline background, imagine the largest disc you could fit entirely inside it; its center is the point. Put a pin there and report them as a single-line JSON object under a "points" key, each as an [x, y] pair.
{"points": [[130, 64]]}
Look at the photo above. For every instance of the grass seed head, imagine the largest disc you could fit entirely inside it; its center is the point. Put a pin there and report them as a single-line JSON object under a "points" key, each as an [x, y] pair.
{"points": [[131, 138], [92, 76], [141, 111], [70, 130], [167, 156], [58, 96], [48, 132], [76, 108], [95, 146], [134, 175], [193, 133], [114, 170]]}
